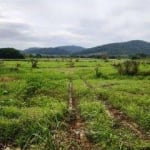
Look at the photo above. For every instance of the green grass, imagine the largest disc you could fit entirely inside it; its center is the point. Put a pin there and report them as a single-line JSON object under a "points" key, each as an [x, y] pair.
{"points": [[33, 102], [100, 128]]}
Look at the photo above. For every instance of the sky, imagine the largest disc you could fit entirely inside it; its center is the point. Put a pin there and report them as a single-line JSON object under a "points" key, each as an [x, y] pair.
{"points": [[87, 23]]}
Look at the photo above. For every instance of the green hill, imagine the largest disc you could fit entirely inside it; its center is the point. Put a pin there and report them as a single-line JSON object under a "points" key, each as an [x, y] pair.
{"points": [[116, 49], [61, 50]]}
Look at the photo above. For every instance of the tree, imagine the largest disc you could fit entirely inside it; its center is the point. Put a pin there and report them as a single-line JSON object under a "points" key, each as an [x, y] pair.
{"points": [[10, 53]]}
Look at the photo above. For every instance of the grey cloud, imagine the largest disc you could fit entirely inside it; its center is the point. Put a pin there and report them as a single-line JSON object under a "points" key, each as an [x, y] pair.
{"points": [[14, 31], [88, 23]]}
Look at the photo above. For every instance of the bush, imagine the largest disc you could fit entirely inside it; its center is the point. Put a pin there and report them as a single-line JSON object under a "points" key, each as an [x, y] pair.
{"points": [[71, 63], [97, 72], [77, 60], [34, 63], [33, 85], [128, 68]]}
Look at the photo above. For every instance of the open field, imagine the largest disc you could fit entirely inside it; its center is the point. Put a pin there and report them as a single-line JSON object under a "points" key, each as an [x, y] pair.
{"points": [[62, 104]]}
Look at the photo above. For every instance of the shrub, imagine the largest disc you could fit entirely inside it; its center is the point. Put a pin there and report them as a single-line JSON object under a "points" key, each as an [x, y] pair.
{"points": [[71, 63], [18, 66], [34, 63], [128, 68], [97, 72], [33, 84], [77, 60]]}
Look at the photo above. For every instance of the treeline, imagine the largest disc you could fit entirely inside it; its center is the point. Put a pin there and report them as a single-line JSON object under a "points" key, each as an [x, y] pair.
{"points": [[136, 56], [10, 53]]}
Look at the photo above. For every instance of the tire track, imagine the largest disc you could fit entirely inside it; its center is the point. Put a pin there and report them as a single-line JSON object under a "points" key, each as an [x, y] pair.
{"points": [[76, 125], [118, 115]]}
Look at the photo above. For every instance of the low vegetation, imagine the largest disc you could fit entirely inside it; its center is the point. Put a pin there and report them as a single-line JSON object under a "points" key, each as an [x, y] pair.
{"points": [[34, 103]]}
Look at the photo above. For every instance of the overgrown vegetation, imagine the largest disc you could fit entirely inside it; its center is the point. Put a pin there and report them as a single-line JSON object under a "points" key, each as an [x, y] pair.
{"points": [[34, 102]]}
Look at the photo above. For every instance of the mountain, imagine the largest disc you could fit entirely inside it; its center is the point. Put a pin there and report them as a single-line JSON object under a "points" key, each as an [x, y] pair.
{"points": [[46, 51], [61, 50], [116, 49], [72, 49]]}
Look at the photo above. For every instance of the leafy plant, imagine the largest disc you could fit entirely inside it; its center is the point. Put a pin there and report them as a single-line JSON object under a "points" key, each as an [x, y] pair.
{"points": [[128, 68]]}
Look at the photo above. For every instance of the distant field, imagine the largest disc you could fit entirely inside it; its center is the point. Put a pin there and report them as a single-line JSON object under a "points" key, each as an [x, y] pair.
{"points": [[62, 104]]}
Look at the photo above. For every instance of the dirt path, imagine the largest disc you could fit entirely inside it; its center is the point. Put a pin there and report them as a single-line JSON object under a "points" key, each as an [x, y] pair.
{"points": [[76, 124], [118, 115]]}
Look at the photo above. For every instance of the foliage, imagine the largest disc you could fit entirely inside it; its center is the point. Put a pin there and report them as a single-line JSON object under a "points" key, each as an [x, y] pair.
{"points": [[128, 68], [34, 63], [10, 53], [34, 103]]}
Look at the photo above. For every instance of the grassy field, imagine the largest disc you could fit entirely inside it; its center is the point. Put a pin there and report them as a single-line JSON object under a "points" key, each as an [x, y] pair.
{"points": [[62, 104]]}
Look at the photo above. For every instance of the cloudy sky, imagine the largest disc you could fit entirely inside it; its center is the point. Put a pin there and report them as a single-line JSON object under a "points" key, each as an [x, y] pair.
{"points": [[28, 23]]}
